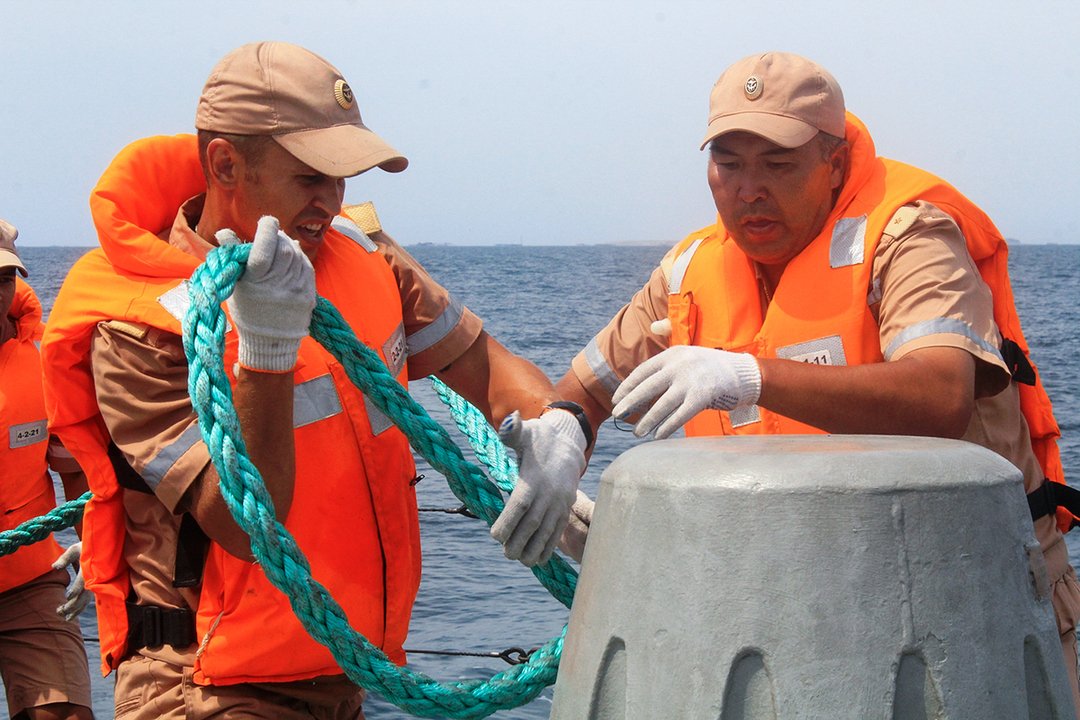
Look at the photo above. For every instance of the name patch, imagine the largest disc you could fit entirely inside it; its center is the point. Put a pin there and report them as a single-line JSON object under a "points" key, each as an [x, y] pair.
{"points": [[27, 434], [822, 351], [394, 350], [818, 357]]}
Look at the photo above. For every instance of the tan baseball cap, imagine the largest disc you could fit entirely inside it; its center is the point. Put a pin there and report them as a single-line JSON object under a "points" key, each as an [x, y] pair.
{"points": [[782, 97], [299, 99], [9, 257]]}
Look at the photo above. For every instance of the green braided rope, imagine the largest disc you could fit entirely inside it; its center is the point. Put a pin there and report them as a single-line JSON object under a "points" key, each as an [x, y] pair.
{"points": [[39, 528], [367, 371], [274, 548], [557, 576], [483, 438]]}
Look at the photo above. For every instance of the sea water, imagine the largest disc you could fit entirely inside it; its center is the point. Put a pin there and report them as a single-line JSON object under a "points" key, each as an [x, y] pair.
{"points": [[545, 303]]}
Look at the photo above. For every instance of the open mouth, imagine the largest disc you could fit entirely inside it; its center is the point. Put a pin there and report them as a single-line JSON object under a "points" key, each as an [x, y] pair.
{"points": [[311, 232]]}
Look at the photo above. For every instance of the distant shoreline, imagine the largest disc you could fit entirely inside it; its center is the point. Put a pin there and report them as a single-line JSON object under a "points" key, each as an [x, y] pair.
{"points": [[635, 244]]}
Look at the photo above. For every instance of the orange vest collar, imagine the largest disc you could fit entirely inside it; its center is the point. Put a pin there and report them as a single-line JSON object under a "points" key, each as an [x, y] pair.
{"points": [[26, 311], [137, 197]]}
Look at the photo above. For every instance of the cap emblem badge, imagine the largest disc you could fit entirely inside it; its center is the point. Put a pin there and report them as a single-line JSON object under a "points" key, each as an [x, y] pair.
{"points": [[753, 87], [343, 94]]}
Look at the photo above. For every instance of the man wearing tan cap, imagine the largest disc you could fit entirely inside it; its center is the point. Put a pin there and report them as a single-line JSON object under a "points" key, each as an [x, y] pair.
{"points": [[837, 292], [42, 658], [192, 626]]}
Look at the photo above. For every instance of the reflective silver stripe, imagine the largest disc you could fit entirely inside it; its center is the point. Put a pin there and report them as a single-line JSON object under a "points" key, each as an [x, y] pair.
{"points": [[678, 270], [744, 416], [938, 326], [315, 400], [874, 295], [848, 242], [603, 372], [176, 301], [436, 330], [348, 228], [379, 422], [155, 470]]}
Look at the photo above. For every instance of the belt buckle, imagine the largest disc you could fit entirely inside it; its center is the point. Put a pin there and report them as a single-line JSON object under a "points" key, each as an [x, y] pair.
{"points": [[151, 629]]}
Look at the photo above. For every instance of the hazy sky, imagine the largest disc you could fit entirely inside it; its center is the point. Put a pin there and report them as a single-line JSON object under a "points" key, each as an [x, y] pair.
{"points": [[552, 122]]}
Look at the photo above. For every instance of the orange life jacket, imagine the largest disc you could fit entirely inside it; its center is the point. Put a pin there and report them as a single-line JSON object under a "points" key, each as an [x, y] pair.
{"points": [[26, 490], [819, 310], [354, 510]]}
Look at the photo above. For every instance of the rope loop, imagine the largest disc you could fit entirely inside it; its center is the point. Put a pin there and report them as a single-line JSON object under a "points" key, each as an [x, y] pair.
{"points": [[283, 562]]}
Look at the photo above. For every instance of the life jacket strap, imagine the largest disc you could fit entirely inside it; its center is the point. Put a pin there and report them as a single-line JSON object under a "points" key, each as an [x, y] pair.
{"points": [[191, 542], [1017, 362], [150, 626], [192, 545], [1048, 497], [126, 476]]}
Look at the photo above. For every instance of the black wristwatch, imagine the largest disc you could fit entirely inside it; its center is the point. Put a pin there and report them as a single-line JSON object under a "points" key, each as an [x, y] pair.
{"points": [[579, 413]]}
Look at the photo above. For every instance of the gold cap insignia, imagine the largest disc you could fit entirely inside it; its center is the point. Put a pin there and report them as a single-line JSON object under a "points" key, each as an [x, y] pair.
{"points": [[343, 94], [753, 87]]}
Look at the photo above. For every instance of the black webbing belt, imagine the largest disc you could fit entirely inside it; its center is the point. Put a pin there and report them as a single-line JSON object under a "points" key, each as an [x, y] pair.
{"points": [[151, 626], [1049, 496]]}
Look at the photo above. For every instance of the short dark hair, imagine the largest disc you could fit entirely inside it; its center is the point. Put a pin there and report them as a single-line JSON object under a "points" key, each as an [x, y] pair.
{"points": [[252, 147], [828, 144]]}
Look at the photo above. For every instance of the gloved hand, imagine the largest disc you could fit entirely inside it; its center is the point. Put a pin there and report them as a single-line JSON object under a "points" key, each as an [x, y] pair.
{"points": [[576, 533], [682, 381], [272, 302], [551, 459], [76, 597]]}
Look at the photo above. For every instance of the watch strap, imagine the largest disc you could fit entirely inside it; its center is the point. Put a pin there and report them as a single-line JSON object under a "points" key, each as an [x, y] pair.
{"points": [[579, 413]]}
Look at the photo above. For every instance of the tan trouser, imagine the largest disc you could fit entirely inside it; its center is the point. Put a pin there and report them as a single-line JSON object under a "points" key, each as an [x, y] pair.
{"points": [[42, 657], [1068, 647], [1066, 600], [147, 689]]}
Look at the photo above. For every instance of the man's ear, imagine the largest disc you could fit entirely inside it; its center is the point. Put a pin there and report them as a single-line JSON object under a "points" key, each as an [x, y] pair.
{"points": [[838, 164], [224, 163]]}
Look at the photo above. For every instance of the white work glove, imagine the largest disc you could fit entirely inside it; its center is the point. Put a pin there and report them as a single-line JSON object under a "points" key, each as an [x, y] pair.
{"points": [[551, 459], [272, 302], [76, 597], [576, 533], [682, 381]]}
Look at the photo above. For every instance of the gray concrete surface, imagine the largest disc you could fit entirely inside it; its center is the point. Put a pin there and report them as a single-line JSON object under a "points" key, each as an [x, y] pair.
{"points": [[811, 577]]}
